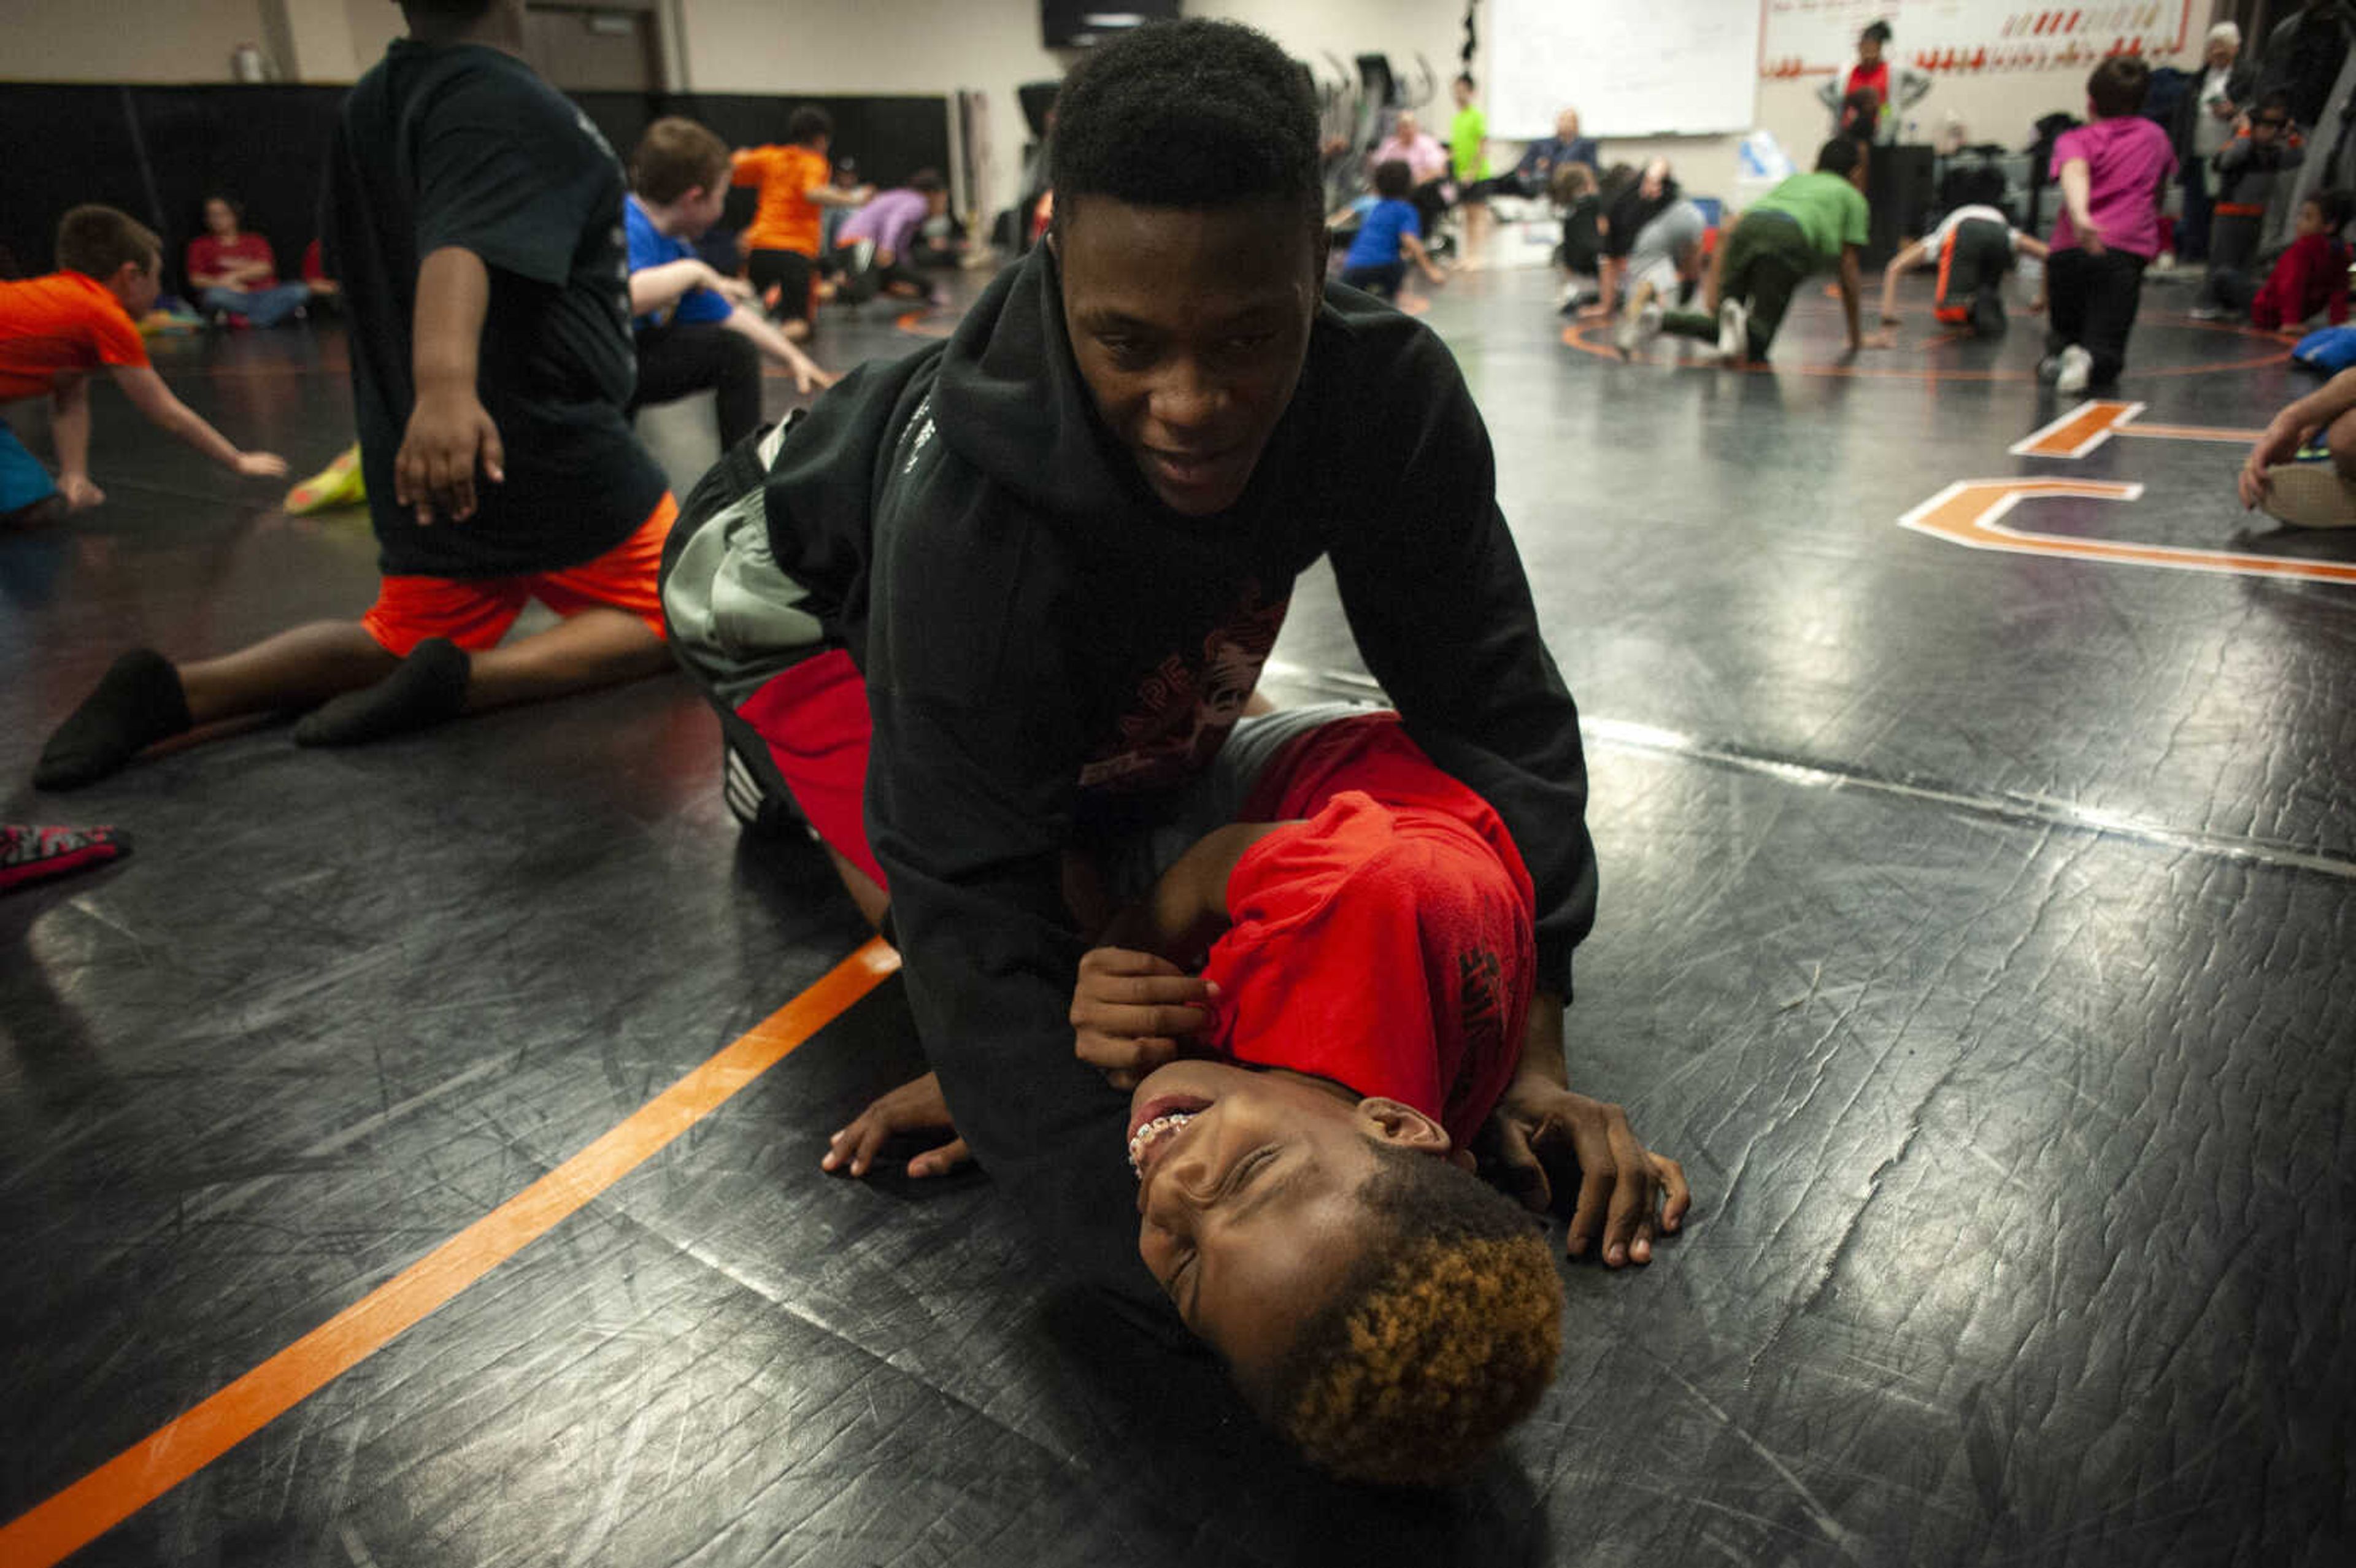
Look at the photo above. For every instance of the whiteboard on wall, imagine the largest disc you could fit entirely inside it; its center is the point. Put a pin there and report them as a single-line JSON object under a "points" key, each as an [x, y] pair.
{"points": [[1631, 68]]}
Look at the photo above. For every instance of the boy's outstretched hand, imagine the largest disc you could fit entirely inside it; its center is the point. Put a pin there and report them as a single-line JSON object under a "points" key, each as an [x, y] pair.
{"points": [[916, 1106], [449, 433], [1545, 1141], [261, 465], [1130, 1010]]}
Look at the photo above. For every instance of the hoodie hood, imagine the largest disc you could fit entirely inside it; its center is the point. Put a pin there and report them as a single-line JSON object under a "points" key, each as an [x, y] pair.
{"points": [[1010, 401]]}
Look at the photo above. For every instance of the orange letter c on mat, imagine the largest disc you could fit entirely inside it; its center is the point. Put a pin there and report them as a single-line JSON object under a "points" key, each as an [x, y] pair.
{"points": [[180, 1448], [1972, 513]]}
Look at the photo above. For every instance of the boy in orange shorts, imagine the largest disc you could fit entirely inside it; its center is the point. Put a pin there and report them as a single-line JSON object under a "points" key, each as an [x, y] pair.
{"points": [[1974, 248], [476, 220], [55, 330]]}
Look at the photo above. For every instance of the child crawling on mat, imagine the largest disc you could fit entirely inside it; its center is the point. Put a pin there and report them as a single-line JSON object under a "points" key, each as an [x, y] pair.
{"points": [[1318, 1007]]}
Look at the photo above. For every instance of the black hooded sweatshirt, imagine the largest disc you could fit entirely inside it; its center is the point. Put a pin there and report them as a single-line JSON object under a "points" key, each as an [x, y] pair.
{"points": [[1050, 652]]}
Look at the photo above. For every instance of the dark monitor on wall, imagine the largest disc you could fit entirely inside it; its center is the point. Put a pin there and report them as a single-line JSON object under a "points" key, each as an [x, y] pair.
{"points": [[1078, 24]]}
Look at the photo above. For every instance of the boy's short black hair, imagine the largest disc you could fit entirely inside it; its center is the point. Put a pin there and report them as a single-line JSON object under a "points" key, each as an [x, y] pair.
{"points": [[808, 123], [1839, 157], [1192, 113], [96, 240], [1392, 179], [1877, 31], [1465, 77], [2118, 85], [2337, 206], [2272, 99], [928, 182], [445, 11]]}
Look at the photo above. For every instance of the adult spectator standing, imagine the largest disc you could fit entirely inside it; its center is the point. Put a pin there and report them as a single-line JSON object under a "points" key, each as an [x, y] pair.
{"points": [[2204, 124], [235, 273], [1894, 88], [2303, 57], [2304, 54], [1427, 164]]}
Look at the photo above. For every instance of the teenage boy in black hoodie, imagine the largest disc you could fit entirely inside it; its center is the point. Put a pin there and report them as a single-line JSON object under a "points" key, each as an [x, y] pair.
{"points": [[1047, 561]]}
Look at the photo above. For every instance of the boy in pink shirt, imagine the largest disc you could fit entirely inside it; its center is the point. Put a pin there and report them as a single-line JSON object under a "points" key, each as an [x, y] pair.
{"points": [[2113, 174]]}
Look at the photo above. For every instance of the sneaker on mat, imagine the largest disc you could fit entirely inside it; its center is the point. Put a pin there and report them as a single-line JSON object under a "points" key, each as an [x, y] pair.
{"points": [[2072, 370], [2309, 493], [1733, 330]]}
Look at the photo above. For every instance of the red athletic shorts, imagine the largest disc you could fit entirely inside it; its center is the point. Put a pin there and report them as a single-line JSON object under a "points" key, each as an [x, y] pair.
{"points": [[813, 718], [476, 613]]}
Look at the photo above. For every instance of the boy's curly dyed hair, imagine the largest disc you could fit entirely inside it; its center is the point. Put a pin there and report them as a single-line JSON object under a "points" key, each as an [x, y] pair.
{"points": [[1442, 1335]]}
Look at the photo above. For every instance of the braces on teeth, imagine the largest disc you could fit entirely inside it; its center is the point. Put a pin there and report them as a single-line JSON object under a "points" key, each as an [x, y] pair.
{"points": [[1151, 1131]]}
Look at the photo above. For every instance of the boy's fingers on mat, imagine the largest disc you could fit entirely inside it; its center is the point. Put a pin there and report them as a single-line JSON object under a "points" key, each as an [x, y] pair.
{"points": [[1520, 1171], [942, 1160], [1672, 1177], [1632, 1203], [856, 1145]]}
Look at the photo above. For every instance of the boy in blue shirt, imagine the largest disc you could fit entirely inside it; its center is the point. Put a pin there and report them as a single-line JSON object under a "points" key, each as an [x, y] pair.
{"points": [[694, 327], [1389, 234]]}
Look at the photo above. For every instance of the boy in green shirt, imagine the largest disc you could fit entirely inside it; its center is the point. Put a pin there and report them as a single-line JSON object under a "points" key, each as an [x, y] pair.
{"points": [[1809, 221], [1468, 133]]}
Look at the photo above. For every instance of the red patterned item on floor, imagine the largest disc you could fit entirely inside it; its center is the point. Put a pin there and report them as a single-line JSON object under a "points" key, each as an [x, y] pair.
{"points": [[30, 854]]}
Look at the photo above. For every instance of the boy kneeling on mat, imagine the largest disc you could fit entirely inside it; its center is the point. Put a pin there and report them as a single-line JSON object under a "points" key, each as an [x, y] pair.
{"points": [[477, 222], [1002, 604], [1347, 971]]}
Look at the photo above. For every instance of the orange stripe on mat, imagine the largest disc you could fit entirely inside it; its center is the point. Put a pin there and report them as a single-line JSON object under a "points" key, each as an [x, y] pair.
{"points": [[2191, 433], [180, 1448]]}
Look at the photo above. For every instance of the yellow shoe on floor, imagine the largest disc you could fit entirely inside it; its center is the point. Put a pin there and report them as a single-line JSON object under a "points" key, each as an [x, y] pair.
{"points": [[339, 483]]}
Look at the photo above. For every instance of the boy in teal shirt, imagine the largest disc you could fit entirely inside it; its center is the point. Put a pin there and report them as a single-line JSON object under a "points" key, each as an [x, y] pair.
{"points": [[1809, 221]]}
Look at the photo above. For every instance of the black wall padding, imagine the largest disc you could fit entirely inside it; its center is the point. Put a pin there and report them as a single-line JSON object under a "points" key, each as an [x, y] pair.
{"points": [[63, 143], [60, 146]]}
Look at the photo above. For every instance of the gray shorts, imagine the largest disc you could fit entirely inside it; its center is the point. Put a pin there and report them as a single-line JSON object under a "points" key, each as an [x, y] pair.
{"points": [[1132, 864]]}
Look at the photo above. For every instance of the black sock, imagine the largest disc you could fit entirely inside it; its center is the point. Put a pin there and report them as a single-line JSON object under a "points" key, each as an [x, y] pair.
{"points": [[138, 703], [51, 508], [427, 687]]}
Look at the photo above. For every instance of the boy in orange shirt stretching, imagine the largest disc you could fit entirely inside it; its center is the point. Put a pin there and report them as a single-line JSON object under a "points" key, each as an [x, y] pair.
{"points": [[781, 247], [55, 330]]}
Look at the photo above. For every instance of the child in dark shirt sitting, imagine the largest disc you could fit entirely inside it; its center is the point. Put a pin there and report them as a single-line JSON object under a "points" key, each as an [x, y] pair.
{"points": [[477, 221], [1574, 190]]}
